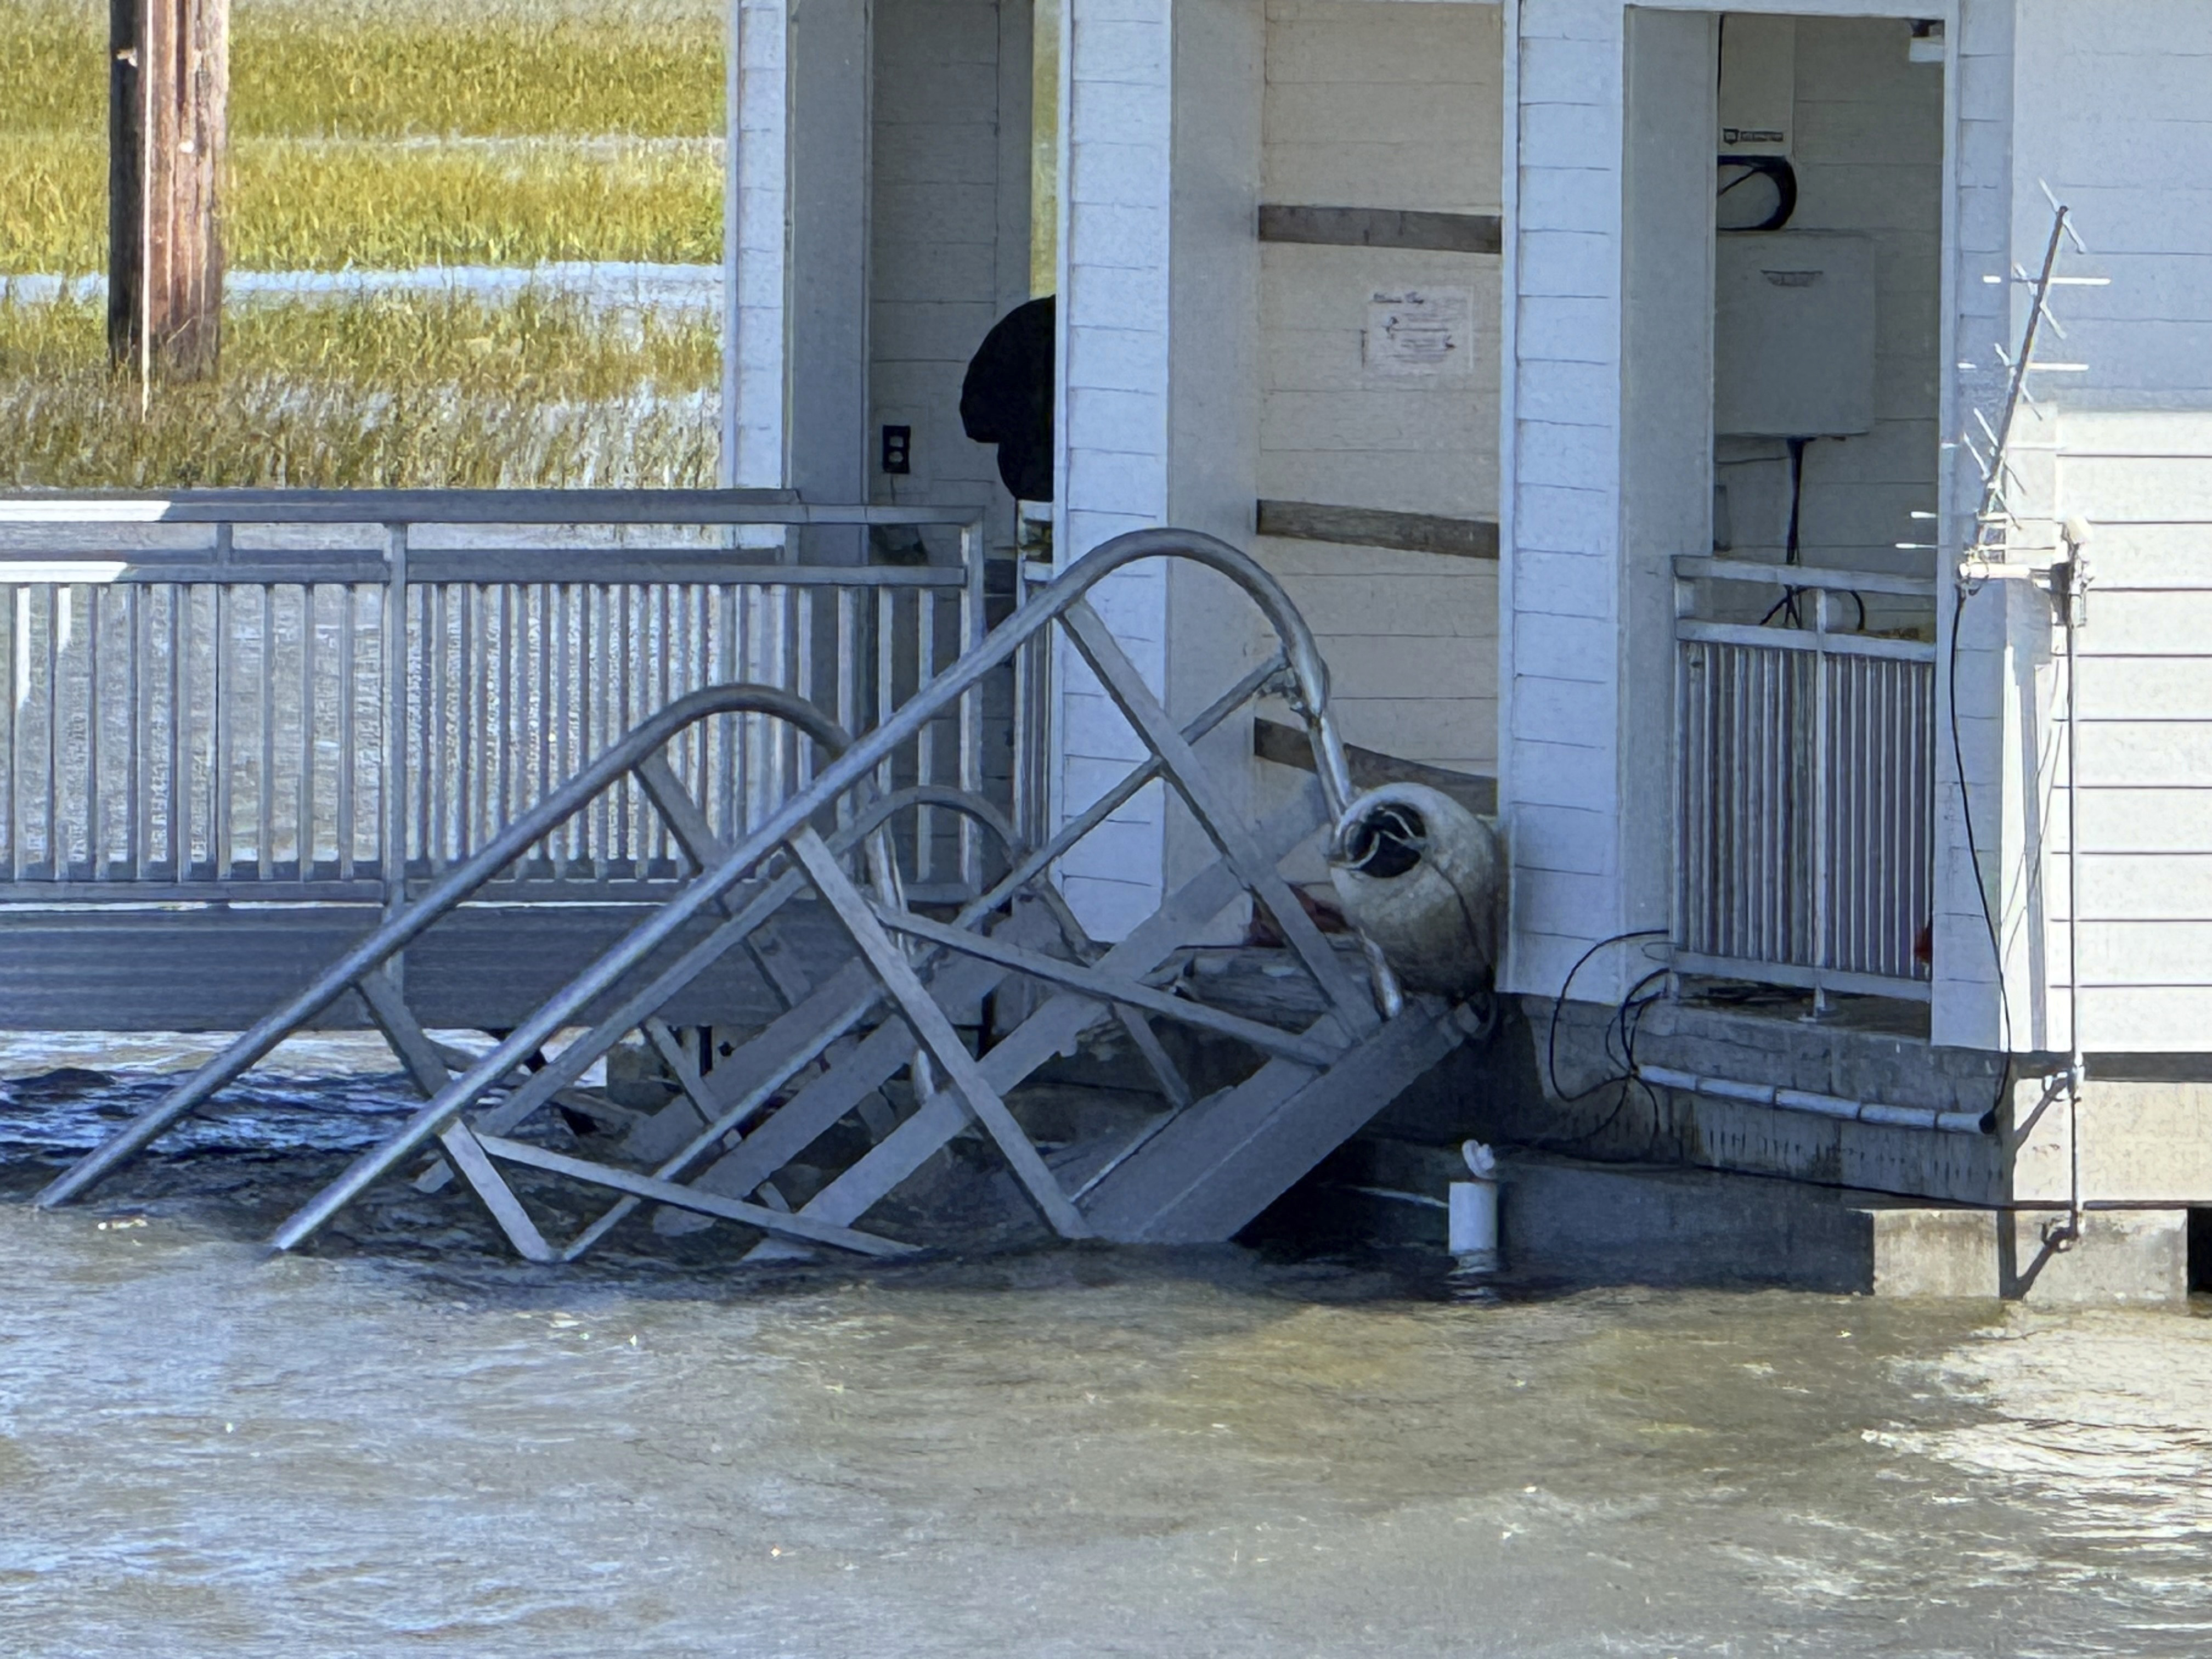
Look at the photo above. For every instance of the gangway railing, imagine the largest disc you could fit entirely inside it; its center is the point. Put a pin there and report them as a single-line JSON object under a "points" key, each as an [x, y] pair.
{"points": [[1199, 1167], [332, 696]]}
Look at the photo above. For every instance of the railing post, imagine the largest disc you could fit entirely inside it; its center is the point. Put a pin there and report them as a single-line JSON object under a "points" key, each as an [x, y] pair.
{"points": [[395, 718], [974, 624], [1679, 872], [1820, 761]]}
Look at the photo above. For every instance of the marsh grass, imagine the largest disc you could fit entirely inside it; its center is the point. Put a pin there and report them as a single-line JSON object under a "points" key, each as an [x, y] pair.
{"points": [[384, 134], [372, 392], [372, 69], [311, 205], [397, 133]]}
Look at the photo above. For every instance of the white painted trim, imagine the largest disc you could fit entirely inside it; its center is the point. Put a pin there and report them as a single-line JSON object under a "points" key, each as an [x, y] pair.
{"points": [[756, 252], [1017, 74], [1056, 687], [1509, 290], [1061, 202], [1950, 420], [734, 149], [1915, 9]]}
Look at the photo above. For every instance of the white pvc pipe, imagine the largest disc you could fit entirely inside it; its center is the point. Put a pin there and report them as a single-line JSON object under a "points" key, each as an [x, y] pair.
{"points": [[1474, 1212], [1801, 1100], [1475, 1225]]}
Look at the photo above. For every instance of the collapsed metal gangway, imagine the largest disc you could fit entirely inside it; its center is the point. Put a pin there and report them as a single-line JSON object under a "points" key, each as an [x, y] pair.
{"points": [[1198, 1167]]}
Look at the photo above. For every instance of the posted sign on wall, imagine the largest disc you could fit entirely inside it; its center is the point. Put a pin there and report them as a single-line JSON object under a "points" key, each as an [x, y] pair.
{"points": [[1420, 333]]}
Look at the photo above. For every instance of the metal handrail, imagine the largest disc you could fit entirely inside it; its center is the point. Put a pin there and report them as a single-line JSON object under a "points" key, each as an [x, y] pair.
{"points": [[847, 771], [1696, 566], [1820, 805], [1301, 653], [450, 891], [459, 507], [1046, 607], [105, 560]]}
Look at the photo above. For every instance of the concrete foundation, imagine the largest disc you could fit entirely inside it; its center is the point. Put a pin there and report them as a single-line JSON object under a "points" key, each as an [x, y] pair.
{"points": [[2123, 1255], [1566, 1223], [1608, 1184]]}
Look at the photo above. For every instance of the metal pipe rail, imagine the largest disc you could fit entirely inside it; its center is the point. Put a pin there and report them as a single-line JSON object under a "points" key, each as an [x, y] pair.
{"points": [[1804, 786], [299, 696], [1378, 1051], [787, 824], [635, 753]]}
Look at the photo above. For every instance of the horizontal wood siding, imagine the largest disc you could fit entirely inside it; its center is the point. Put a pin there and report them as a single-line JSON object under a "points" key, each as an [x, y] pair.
{"points": [[2144, 481], [2121, 130], [1388, 105], [937, 281]]}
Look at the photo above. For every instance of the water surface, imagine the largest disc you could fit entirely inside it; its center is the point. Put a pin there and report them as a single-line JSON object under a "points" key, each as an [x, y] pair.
{"points": [[408, 1443]]}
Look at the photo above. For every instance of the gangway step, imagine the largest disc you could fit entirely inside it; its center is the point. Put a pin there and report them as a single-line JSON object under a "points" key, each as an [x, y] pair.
{"points": [[1210, 1170]]}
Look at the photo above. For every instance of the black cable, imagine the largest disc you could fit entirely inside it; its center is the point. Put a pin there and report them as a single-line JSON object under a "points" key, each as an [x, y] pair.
{"points": [[1793, 547], [1630, 1028], [1776, 168], [1551, 1036], [1966, 819], [1633, 1005], [1793, 551], [2004, 1089], [1790, 599]]}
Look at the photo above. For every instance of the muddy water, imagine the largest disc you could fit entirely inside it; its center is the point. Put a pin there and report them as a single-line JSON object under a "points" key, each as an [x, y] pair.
{"points": [[378, 1450]]}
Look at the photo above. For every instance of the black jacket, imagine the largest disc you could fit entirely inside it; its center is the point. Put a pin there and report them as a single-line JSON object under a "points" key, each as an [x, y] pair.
{"points": [[1006, 398]]}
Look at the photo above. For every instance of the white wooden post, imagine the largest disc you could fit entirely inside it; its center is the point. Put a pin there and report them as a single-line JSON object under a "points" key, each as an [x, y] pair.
{"points": [[831, 122], [755, 207]]}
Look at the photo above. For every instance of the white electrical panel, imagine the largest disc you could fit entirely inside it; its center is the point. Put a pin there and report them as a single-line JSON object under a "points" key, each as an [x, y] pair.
{"points": [[1758, 84], [1793, 335]]}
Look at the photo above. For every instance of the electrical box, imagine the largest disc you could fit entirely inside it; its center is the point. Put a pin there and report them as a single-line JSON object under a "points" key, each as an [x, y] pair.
{"points": [[1758, 84], [1793, 335]]}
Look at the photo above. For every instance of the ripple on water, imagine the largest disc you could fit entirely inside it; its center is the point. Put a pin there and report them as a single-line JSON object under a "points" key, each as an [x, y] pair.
{"points": [[2104, 1416]]}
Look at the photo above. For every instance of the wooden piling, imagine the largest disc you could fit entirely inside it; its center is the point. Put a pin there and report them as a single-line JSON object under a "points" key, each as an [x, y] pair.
{"points": [[168, 98]]}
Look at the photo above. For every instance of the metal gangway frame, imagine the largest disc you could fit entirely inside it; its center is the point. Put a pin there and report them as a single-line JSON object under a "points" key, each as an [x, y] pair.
{"points": [[1199, 1169]]}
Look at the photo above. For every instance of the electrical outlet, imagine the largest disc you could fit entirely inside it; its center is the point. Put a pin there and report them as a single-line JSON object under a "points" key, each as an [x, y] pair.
{"points": [[898, 451]]}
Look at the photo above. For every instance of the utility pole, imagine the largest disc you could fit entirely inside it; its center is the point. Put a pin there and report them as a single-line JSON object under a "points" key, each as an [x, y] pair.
{"points": [[168, 93]]}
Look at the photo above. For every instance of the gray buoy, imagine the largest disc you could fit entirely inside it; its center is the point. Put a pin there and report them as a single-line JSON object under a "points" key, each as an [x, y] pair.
{"points": [[1422, 877]]}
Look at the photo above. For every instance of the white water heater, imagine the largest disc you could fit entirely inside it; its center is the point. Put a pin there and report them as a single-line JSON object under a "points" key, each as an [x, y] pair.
{"points": [[1793, 335]]}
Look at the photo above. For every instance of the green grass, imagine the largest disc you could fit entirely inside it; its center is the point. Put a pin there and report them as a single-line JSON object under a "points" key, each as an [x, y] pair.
{"points": [[374, 69], [369, 392], [397, 133], [307, 205], [385, 134]]}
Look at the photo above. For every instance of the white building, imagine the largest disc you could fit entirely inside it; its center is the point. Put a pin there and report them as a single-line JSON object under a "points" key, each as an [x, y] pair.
{"points": [[1518, 372]]}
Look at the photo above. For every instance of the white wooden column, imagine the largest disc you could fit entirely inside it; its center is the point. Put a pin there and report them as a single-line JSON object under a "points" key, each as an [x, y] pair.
{"points": [[755, 216], [1111, 473], [831, 126], [1969, 1010], [1158, 412], [1560, 491]]}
